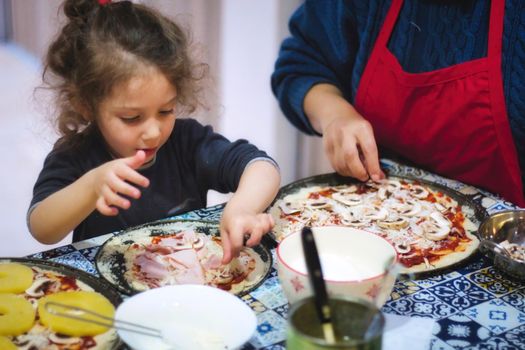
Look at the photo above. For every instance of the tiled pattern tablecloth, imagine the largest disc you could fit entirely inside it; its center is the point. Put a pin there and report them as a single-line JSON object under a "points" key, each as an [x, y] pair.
{"points": [[474, 307]]}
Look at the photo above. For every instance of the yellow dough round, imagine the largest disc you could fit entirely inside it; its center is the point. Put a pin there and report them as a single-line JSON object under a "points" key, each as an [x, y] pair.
{"points": [[91, 301], [15, 278], [6, 344], [17, 315]]}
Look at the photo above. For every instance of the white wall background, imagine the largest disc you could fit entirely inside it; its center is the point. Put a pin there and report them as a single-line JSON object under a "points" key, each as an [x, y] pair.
{"points": [[241, 40]]}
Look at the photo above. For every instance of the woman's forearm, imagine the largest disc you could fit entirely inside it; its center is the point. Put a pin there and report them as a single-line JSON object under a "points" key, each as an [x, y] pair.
{"points": [[323, 103]]}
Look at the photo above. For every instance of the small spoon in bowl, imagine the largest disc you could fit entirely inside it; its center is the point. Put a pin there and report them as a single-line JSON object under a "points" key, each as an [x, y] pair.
{"points": [[315, 273], [496, 248]]}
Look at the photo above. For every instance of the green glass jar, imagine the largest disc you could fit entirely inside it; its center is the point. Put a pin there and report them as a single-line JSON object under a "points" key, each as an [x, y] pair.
{"points": [[358, 325]]}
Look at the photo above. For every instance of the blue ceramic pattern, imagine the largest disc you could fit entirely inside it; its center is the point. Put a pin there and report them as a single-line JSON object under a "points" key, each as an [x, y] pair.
{"points": [[271, 329], [404, 288], [475, 305], [496, 315], [516, 299], [423, 304], [460, 293], [438, 344], [432, 281], [76, 259], [460, 331]]}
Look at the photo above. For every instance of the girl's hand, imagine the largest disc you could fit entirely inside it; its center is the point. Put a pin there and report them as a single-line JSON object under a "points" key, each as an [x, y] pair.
{"points": [[111, 183], [235, 225]]}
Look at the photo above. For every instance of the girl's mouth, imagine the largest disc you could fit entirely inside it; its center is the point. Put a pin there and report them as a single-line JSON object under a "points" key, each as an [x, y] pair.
{"points": [[150, 152]]}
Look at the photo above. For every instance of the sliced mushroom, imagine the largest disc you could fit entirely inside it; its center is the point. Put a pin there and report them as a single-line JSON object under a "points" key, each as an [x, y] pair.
{"points": [[411, 208], [349, 199], [440, 207], [383, 193], [349, 220], [58, 338], [375, 213], [183, 246], [419, 191], [393, 224], [392, 185], [224, 277], [290, 207], [440, 219], [402, 248], [344, 189], [320, 203], [198, 243], [39, 287], [436, 232]]}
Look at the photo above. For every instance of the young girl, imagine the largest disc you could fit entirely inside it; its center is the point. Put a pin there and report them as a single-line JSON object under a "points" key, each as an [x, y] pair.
{"points": [[122, 74]]}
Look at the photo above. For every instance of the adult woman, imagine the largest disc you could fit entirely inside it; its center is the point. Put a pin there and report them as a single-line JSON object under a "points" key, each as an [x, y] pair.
{"points": [[436, 82]]}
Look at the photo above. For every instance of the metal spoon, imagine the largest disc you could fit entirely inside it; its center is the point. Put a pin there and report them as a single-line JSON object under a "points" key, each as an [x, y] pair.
{"points": [[496, 248], [169, 335]]}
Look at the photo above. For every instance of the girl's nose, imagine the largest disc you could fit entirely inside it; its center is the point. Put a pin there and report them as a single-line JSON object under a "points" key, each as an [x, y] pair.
{"points": [[151, 131]]}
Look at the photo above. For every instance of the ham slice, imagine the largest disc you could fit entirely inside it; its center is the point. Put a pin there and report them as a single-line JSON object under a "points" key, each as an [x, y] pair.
{"points": [[192, 272], [150, 266]]}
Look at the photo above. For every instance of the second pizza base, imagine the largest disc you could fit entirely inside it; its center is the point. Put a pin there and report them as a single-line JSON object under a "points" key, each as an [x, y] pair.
{"points": [[429, 229]]}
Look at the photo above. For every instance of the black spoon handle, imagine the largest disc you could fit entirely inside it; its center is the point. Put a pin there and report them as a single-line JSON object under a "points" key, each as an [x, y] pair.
{"points": [[315, 273]]}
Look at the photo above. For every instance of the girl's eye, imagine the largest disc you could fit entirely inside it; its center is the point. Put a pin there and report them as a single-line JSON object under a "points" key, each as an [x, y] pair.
{"points": [[167, 112], [130, 119]]}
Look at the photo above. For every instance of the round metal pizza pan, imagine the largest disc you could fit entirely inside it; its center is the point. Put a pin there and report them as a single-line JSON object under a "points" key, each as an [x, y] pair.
{"points": [[111, 264], [99, 285], [333, 179]]}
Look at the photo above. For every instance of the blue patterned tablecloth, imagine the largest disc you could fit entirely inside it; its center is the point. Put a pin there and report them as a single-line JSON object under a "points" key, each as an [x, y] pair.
{"points": [[474, 306]]}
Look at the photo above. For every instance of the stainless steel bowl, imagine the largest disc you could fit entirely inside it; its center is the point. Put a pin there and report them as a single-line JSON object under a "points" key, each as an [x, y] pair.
{"points": [[505, 225]]}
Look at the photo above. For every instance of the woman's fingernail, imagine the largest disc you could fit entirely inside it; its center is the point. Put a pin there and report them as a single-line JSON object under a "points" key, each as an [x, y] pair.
{"points": [[375, 177]]}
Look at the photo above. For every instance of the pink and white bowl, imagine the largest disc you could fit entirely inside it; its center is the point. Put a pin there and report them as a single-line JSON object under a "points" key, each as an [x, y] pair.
{"points": [[354, 264]]}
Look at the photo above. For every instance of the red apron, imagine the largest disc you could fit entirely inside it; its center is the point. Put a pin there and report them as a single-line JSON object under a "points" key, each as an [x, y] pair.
{"points": [[452, 121]]}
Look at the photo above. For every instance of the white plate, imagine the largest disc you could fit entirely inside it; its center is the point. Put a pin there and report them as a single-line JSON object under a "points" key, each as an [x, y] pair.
{"points": [[213, 318]]}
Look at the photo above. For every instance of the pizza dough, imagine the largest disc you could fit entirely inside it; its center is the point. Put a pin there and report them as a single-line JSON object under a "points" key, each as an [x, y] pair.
{"points": [[428, 228], [188, 257]]}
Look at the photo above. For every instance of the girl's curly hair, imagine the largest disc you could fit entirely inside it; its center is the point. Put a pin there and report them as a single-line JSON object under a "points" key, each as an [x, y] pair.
{"points": [[103, 45]]}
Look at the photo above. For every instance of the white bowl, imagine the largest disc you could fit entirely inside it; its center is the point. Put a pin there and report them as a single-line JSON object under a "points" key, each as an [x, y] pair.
{"points": [[198, 316], [353, 262]]}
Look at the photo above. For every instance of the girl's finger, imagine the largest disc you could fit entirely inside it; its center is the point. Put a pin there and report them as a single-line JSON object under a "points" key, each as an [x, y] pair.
{"points": [[105, 209], [120, 186], [255, 236], [112, 198], [133, 176], [226, 248], [136, 160]]}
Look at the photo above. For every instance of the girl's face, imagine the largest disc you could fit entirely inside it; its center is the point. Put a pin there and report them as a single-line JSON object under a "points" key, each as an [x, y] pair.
{"points": [[138, 115]]}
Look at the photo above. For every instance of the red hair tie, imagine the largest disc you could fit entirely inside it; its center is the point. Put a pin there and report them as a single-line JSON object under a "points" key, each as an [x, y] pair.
{"points": [[103, 2]]}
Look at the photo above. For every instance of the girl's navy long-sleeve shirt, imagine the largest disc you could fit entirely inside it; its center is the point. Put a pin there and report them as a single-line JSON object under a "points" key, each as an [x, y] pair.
{"points": [[194, 160]]}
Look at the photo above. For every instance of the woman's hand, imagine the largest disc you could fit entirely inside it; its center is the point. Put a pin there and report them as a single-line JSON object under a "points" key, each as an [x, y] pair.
{"points": [[348, 138], [237, 225], [111, 182]]}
